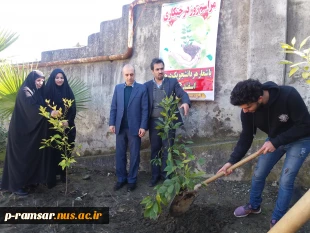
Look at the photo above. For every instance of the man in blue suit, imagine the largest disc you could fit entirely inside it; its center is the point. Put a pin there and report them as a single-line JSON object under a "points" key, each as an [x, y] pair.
{"points": [[158, 88], [128, 120]]}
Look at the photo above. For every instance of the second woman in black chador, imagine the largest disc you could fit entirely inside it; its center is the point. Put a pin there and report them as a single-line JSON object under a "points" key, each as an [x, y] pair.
{"points": [[57, 88]]}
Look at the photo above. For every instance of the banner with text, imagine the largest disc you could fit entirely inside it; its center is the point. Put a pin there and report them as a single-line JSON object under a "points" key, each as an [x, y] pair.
{"points": [[188, 45]]}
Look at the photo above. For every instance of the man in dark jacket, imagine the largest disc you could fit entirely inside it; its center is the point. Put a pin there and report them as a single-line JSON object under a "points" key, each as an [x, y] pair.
{"points": [[281, 113], [158, 88], [128, 120]]}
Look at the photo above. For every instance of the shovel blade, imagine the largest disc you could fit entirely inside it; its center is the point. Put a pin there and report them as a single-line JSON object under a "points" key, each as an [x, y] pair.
{"points": [[181, 203]]}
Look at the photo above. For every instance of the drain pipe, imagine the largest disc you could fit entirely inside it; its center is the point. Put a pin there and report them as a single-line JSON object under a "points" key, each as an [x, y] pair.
{"points": [[123, 56]]}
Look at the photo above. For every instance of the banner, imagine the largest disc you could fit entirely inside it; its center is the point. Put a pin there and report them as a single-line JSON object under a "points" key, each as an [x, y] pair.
{"points": [[188, 45]]}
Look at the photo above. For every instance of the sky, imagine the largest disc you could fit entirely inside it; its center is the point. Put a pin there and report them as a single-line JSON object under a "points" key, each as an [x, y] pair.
{"points": [[44, 25]]}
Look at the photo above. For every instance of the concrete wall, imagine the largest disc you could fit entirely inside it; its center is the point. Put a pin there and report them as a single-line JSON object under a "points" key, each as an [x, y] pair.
{"points": [[247, 47]]}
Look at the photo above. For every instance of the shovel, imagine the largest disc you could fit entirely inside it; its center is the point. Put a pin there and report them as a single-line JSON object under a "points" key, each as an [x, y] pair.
{"points": [[295, 218], [181, 202]]}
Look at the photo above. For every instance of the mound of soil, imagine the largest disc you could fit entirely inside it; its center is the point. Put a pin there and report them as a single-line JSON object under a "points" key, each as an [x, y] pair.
{"points": [[211, 212]]}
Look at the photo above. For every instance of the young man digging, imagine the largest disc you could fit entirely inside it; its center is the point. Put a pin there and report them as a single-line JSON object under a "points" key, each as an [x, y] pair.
{"points": [[281, 113]]}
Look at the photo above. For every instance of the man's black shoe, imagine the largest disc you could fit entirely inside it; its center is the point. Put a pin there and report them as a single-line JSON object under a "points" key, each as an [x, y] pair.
{"points": [[153, 182], [131, 187], [119, 185]]}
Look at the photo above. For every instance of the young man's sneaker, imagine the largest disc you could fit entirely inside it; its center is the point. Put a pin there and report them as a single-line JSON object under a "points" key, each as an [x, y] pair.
{"points": [[243, 211], [273, 222]]}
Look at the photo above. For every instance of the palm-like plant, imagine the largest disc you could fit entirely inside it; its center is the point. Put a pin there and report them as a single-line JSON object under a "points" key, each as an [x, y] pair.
{"points": [[11, 79], [81, 93], [7, 38]]}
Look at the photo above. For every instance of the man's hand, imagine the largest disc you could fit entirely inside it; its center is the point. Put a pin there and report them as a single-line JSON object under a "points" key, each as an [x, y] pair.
{"points": [[267, 147], [141, 132], [185, 106], [225, 169], [112, 128]]}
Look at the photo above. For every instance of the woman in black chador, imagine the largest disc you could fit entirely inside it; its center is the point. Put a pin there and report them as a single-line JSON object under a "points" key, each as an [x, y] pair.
{"points": [[23, 161], [57, 88]]}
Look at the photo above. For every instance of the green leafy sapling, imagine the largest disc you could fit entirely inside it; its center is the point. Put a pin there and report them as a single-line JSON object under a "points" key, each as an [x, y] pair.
{"points": [[302, 66], [59, 140], [182, 176]]}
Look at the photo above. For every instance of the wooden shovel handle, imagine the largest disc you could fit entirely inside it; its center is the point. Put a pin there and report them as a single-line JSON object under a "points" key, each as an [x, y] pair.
{"points": [[295, 218], [233, 167]]}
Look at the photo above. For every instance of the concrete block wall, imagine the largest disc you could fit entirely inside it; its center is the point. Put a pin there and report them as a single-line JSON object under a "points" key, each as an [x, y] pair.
{"points": [[248, 46]]}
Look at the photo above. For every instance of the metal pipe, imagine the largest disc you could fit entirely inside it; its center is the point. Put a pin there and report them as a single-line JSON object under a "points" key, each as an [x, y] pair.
{"points": [[123, 56]]}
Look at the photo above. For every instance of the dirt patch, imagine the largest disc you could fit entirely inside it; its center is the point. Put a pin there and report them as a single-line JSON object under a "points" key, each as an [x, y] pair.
{"points": [[211, 212]]}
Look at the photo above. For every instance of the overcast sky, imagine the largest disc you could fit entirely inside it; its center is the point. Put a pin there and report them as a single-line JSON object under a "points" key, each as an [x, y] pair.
{"points": [[45, 25]]}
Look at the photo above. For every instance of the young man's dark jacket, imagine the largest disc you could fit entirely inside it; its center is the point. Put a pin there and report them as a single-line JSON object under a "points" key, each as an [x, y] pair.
{"points": [[285, 119]]}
